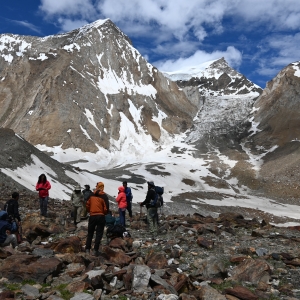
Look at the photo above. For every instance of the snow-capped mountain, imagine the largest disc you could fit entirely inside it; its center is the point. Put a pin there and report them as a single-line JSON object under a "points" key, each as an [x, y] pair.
{"points": [[214, 78], [91, 101], [82, 89]]}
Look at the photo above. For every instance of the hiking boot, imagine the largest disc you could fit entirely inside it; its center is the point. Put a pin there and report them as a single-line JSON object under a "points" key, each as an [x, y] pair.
{"points": [[95, 253]]}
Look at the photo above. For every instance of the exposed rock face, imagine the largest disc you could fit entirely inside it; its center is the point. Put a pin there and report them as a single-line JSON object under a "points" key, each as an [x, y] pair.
{"points": [[277, 109], [275, 134], [76, 89]]}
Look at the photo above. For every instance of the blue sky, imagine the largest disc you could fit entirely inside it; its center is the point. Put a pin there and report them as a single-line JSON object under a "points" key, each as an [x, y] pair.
{"points": [[257, 37]]}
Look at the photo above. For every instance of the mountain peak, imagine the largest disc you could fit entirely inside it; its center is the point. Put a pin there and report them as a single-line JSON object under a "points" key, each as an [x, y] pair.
{"points": [[214, 77]]}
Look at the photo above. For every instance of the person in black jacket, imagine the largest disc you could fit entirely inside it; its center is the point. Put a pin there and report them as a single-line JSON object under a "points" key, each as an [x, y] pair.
{"points": [[12, 208], [151, 210]]}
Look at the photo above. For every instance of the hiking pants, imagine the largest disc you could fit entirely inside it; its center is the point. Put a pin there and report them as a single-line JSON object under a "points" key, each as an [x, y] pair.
{"points": [[95, 223], [152, 220], [83, 211], [44, 205], [122, 212], [11, 239], [129, 208], [77, 213]]}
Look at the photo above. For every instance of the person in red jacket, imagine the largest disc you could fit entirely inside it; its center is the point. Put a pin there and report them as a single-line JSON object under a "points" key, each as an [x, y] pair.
{"points": [[97, 208], [43, 186], [122, 204]]}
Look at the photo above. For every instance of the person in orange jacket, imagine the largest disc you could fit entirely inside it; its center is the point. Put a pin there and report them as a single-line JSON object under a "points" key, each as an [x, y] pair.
{"points": [[97, 209], [122, 204]]}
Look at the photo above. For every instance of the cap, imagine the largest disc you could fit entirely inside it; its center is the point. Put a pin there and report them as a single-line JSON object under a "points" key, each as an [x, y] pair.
{"points": [[151, 183], [77, 188]]}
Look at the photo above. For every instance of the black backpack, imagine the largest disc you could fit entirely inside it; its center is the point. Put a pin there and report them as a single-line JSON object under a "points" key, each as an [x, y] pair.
{"points": [[158, 200], [9, 208], [116, 231]]}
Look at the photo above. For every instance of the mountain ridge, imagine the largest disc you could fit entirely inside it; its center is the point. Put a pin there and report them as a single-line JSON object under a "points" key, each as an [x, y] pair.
{"points": [[97, 105]]}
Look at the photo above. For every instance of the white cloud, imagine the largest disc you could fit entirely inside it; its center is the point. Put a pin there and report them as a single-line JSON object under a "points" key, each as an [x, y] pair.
{"points": [[27, 25], [181, 48], [185, 30], [178, 17], [232, 56], [68, 25], [272, 13], [82, 8]]}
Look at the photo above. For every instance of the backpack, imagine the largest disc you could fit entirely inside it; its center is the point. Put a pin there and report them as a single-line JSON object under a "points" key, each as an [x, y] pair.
{"points": [[158, 200], [3, 215], [9, 208], [115, 231], [159, 190], [86, 195]]}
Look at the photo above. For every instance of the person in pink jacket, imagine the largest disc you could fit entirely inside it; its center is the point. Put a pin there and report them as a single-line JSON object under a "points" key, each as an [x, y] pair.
{"points": [[43, 186], [122, 204]]}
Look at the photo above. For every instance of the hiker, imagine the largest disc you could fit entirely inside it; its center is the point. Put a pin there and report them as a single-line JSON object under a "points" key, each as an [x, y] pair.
{"points": [[86, 195], [151, 210], [12, 207], [77, 201], [43, 186], [99, 192], [96, 206], [6, 236], [128, 199], [122, 204]]}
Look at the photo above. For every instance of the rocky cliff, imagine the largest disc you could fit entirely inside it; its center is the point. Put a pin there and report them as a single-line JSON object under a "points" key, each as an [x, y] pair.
{"points": [[76, 89], [274, 134]]}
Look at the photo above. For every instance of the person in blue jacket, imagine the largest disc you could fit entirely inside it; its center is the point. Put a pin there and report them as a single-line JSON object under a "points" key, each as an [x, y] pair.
{"points": [[128, 199], [6, 237]]}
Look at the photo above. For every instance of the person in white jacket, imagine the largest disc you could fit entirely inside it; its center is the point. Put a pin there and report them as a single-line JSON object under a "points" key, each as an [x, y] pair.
{"points": [[77, 201]]}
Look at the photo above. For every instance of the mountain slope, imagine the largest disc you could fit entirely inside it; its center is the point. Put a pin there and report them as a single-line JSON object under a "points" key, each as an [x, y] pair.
{"points": [[273, 143], [75, 90]]}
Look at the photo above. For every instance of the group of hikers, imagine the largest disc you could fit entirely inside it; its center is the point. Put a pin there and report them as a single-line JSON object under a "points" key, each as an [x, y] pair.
{"points": [[86, 203]]}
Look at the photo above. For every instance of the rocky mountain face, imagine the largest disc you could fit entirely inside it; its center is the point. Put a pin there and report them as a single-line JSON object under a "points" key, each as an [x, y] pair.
{"points": [[89, 90], [274, 134], [76, 89]]}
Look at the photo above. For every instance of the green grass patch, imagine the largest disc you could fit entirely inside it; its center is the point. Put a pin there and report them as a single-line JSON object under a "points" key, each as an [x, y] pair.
{"points": [[28, 281], [223, 286], [65, 294], [13, 286]]}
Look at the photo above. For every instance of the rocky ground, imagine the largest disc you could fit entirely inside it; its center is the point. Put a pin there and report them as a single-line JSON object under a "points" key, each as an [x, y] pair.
{"points": [[209, 256]]}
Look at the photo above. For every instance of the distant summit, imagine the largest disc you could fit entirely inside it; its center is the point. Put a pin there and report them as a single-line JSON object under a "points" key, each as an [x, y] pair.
{"points": [[214, 78]]}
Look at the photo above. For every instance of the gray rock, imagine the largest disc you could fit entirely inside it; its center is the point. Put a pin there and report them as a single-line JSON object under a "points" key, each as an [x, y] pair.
{"points": [[43, 252], [141, 276], [167, 297], [162, 282], [30, 291], [82, 296], [261, 251]]}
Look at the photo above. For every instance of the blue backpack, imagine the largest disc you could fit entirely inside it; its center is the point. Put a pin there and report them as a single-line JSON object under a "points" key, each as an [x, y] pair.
{"points": [[3, 215]]}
